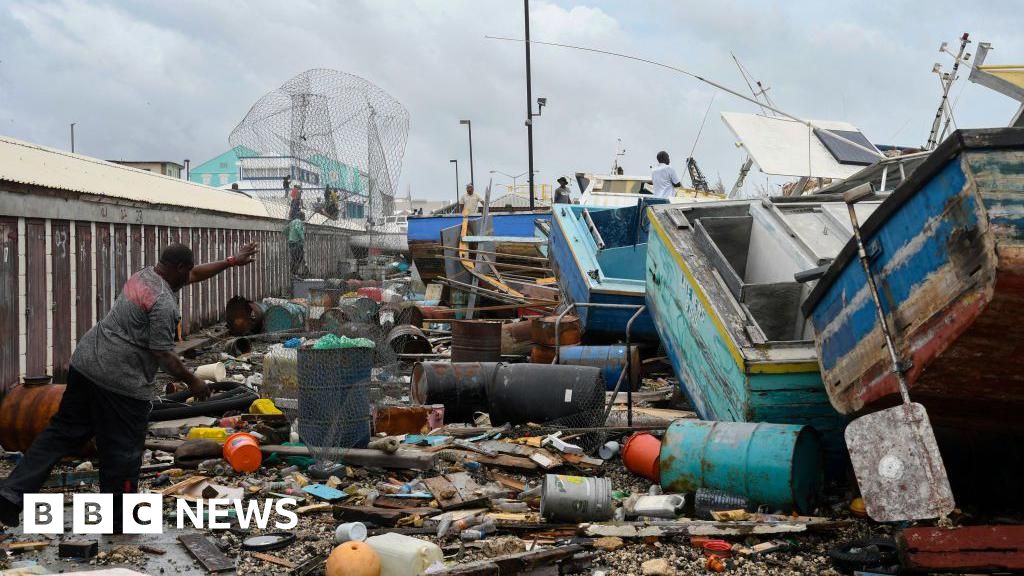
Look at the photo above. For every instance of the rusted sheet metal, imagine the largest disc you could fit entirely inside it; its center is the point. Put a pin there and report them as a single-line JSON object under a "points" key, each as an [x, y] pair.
{"points": [[35, 309], [197, 291], [476, 341], [177, 235], [84, 301], [10, 309], [965, 549], [222, 253], [947, 252], [119, 252], [149, 248], [135, 252], [232, 275], [516, 337], [207, 287], [60, 250], [104, 272]]}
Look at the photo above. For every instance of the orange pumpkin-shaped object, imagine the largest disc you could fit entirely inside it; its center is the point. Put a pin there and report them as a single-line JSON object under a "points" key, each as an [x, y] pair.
{"points": [[353, 559]]}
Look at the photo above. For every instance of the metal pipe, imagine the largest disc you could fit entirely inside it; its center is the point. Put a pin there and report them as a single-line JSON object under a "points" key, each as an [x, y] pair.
{"points": [[529, 100], [863, 255], [629, 391], [593, 230]]}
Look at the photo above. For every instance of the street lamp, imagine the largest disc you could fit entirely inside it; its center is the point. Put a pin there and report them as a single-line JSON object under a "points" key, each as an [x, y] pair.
{"points": [[73, 137], [469, 125], [514, 178], [456, 181]]}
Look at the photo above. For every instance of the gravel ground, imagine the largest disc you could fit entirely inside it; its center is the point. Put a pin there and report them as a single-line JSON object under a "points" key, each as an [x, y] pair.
{"points": [[806, 554]]}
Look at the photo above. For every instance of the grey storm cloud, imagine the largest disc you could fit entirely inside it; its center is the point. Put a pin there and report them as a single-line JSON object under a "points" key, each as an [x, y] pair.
{"points": [[169, 80]]}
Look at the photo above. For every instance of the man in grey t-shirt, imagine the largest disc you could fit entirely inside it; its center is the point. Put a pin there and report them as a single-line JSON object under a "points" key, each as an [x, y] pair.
{"points": [[110, 381]]}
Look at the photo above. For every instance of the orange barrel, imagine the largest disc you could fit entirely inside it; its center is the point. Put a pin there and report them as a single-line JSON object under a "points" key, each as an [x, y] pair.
{"points": [[372, 293], [641, 455], [25, 412], [242, 451], [541, 354], [543, 330]]}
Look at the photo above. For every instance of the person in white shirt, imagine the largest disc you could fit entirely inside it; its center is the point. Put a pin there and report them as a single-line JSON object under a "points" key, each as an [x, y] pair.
{"points": [[664, 177], [469, 202]]}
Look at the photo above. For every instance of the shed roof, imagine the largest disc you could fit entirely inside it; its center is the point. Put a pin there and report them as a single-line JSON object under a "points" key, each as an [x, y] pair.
{"points": [[32, 164]]}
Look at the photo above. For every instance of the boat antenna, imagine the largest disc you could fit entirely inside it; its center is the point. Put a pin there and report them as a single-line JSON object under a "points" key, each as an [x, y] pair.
{"points": [[947, 80], [620, 151], [808, 123], [761, 91], [701, 129]]}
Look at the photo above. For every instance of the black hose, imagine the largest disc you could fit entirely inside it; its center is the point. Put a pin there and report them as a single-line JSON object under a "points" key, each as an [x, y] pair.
{"points": [[233, 396]]}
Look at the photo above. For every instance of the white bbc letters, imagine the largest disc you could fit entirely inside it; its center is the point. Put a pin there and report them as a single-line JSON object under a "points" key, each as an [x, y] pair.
{"points": [[143, 514], [44, 514], [92, 513]]}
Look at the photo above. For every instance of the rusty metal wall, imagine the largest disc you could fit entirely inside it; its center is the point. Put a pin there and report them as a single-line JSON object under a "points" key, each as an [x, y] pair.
{"points": [[35, 309], [10, 310], [84, 302], [103, 269], [60, 256], [119, 253], [135, 251], [149, 248]]}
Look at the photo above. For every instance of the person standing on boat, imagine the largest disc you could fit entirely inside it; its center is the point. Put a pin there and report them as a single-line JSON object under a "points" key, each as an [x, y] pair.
{"points": [[470, 202], [562, 192], [664, 177]]}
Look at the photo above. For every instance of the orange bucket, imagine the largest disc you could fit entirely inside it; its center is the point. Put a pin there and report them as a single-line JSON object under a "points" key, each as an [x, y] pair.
{"points": [[242, 451], [640, 455]]}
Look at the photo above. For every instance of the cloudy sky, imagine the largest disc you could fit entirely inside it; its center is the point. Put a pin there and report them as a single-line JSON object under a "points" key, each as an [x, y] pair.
{"points": [[169, 80]]}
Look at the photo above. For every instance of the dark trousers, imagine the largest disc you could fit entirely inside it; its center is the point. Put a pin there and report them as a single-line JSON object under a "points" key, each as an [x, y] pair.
{"points": [[298, 257], [117, 422]]}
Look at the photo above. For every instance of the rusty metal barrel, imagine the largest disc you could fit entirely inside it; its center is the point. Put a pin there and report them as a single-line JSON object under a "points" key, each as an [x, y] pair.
{"points": [[542, 332], [364, 309], [408, 339], [325, 297], [476, 341], [516, 338], [25, 412], [410, 314], [461, 387], [522, 393], [243, 316]]}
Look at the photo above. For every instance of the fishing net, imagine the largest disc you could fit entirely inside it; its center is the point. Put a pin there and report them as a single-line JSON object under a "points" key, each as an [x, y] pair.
{"points": [[341, 139]]}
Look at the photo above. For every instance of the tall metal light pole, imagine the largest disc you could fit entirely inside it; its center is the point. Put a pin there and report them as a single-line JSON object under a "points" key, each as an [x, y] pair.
{"points": [[188, 169], [456, 181], [529, 100], [469, 125], [72, 137]]}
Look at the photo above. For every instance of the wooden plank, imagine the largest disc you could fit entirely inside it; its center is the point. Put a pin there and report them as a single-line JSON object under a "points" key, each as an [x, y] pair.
{"points": [[104, 273], [453, 491], [206, 552], [691, 528], [119, 257], [964, 549], [380, 516], [84, 301], [274, 560]]}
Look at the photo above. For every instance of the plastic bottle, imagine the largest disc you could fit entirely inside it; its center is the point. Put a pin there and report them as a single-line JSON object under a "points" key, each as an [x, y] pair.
{"points": [[506, 505], [444, 525], [707, 501], [209, 465], [299, 479]]}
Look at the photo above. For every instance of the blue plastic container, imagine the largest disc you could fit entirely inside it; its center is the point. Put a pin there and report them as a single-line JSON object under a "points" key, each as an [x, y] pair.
{"points": [[779, 465], [610, 359]]}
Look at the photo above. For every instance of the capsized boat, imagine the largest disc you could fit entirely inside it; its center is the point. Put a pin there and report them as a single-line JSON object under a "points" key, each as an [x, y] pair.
{"points": [[424, 237], [947, 251], [598, 256], [617, 190], [721, 291]]}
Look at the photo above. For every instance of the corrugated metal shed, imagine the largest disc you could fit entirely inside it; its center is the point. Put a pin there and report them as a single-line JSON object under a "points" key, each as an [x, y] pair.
{"points": [[26, 163]]}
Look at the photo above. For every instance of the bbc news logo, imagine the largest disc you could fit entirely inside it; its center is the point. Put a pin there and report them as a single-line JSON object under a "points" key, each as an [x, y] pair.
{"points": [[144, 513]]}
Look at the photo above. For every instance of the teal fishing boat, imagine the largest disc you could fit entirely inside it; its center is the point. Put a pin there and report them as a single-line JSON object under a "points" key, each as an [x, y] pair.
{"points": [[722, 294]]}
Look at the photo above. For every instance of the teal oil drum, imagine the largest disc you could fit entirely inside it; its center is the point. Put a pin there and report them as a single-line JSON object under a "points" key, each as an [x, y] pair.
{"points": [[285, 316], [779, 465], [610, 359]]}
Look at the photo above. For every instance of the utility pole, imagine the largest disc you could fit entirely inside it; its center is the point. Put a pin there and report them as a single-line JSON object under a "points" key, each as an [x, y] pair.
{"points": [[529, 101], [72, 137]]}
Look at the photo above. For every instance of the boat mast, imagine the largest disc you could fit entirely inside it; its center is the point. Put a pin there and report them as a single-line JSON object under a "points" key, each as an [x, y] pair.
{"points": [[947, 82], [761, 92]]}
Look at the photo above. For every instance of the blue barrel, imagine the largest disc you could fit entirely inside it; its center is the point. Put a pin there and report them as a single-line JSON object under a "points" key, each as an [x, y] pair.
{"points": [[610, 359], [779, 465], [334, 396], [285, 316], [362, 309]]}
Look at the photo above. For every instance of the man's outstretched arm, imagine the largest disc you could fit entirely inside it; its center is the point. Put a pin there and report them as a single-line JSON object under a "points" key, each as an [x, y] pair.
{"points": [[205, 271]]}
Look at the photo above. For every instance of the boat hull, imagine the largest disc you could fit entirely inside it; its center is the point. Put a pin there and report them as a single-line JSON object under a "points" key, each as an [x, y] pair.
{"points": [[424, 237], [948, 256], [572, 256]]}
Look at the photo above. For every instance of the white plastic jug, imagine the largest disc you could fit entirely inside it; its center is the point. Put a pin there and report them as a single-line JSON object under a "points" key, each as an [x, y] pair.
{"points": [[402, 555], [662, 506]]}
